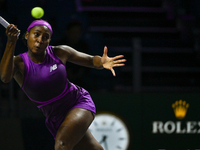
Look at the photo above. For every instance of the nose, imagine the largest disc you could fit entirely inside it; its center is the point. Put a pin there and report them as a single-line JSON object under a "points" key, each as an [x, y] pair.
{"points": [[39, 39]]}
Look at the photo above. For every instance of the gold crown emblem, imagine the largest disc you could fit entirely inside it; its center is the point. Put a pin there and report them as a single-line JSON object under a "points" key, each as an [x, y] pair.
{"points": [[180, 109]]}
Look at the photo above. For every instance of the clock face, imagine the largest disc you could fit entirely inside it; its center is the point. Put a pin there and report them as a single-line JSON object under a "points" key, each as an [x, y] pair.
{"points": [[110, 131]]}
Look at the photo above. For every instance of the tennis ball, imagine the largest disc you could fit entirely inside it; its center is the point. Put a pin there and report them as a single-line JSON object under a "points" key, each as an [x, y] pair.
{"points": [[37, 12]]}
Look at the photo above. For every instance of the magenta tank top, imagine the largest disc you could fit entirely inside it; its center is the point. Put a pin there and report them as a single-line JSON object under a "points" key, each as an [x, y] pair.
{"points": [[46, 81], [47, 85]]}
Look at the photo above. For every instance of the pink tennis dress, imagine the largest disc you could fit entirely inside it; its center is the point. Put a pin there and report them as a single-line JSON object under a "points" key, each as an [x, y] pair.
{"points": [[46, 84]]}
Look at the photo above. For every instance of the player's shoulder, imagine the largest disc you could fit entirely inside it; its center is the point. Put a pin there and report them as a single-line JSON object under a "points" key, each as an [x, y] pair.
{"points": [[18, 61], [62, 50], [18, 58]]}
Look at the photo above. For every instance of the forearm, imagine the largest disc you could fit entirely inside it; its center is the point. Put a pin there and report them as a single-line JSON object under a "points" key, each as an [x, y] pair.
{"points": [[77, 57], [97, 62], [7, 62]]}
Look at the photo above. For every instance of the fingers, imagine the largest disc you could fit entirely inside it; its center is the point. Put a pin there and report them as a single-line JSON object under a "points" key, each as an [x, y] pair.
{"points": [[119, 61], [105, 50], [118, 57], [12, 31], [118, 65], [10, 28], [113, 71]]}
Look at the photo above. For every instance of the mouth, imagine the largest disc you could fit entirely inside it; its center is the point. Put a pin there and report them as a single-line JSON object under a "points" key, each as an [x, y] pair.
{"points": [[37, 47]]}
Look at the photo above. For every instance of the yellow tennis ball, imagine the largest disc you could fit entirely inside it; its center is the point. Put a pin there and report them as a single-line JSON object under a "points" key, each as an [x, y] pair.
{"points": [[37, 12]]}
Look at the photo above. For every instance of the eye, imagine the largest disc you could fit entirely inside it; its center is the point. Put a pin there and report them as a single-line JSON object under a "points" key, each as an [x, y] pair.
{"points": [[36, 34], [46, 37]]}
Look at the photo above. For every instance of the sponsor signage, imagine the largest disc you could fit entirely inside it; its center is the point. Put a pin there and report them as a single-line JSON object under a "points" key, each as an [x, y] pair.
{"points": [[171, 125], [177, 127]]}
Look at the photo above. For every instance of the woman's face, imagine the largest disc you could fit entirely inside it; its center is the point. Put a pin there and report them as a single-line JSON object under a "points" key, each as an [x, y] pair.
{"points": [[38, 38]]}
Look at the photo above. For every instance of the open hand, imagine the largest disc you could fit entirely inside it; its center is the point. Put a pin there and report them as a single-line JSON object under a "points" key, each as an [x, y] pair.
{"points": [[110, 62]]}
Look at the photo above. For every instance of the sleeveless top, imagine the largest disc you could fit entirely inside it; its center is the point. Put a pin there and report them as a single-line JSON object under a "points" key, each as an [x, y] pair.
{"points": [[46, 84]]}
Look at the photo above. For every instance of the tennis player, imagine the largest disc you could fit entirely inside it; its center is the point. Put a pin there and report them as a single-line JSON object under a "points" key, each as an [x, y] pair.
{"points": [[41, 73]]}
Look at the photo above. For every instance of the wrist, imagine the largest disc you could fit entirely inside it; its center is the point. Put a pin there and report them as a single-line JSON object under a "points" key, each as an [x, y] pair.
{"points": [[11, 41], [11, 44], [97, 62]]}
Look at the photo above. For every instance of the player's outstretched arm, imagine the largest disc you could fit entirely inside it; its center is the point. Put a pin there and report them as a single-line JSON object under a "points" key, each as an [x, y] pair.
{"points": [[66, 53]]}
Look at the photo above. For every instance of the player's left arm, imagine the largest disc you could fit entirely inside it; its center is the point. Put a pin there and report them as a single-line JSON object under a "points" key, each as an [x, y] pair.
{"points": [[66, 53]]}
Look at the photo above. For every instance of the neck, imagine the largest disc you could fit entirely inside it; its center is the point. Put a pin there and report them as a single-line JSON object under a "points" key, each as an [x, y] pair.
{"points": [[37, 58]]}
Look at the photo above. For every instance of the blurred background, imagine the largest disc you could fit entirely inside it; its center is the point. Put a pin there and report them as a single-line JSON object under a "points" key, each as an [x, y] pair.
{"points": [[160, 40]]}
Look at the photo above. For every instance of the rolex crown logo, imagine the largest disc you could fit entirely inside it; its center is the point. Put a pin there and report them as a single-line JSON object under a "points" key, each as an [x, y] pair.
{"points": [[180, 109]]}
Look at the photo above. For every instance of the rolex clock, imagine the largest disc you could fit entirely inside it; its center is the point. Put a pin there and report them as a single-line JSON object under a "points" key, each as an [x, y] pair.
{"points": [[110, 131]]}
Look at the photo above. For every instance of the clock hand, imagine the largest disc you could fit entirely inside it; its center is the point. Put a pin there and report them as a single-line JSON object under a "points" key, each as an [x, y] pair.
{"points": [[104, 141]]}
